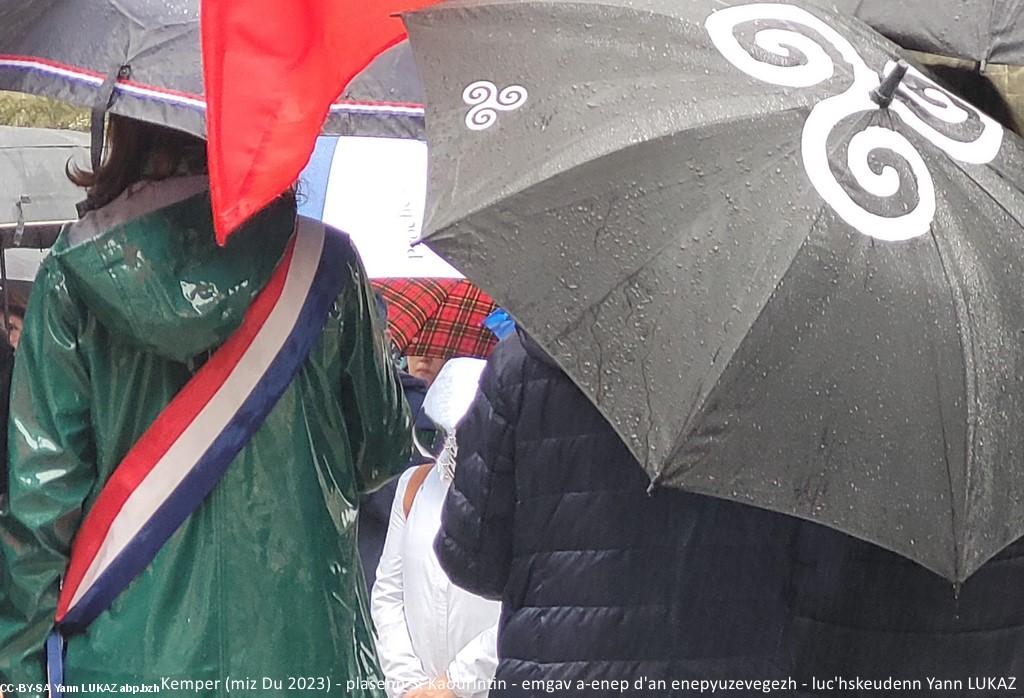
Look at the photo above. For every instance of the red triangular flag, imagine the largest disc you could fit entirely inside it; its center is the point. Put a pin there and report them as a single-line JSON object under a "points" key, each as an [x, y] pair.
{"points": [[271, 71]]}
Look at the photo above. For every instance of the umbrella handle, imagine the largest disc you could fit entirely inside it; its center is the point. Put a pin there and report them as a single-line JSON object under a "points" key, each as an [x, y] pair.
{"points": [[99, 112], [3, 280]]}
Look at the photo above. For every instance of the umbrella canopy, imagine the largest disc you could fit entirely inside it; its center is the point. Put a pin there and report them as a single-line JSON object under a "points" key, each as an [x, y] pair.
{"points": [[390, 80], [304, 52], [438, 318], [142, 59], [32, 175], [972, 35], [778, 291], [66, 50], [979, 30]]}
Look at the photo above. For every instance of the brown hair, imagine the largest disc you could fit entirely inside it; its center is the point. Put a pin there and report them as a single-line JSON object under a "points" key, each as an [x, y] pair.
{"points": [[136, 151]]}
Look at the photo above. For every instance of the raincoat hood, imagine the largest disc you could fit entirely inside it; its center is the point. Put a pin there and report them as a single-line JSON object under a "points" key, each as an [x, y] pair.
{"points": [[149, 268]]}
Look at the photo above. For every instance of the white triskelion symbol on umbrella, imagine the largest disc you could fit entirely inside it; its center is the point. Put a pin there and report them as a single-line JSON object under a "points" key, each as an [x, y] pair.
{"points": [[920, 103], [486, 101]]}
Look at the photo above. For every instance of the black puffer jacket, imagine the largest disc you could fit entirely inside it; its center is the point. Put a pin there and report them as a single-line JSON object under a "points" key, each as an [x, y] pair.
{"points": [[602, 581], [858, 611], [599, 579]]}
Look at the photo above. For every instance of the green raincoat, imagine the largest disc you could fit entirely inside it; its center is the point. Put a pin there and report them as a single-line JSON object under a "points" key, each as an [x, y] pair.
{"points": [[263, 582]]}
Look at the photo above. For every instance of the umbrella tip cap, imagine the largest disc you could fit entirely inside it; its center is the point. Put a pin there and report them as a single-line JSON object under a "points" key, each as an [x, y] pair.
{"points": [[886, 91]]}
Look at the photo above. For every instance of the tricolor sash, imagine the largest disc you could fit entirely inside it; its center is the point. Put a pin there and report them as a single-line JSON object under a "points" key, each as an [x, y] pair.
{"points": [[182, 456]]}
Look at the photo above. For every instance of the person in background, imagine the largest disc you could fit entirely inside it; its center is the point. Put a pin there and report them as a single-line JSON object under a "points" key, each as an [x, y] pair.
{"points": [[434, 639], [375, 507], [600, 576], [425, 368], [262, 578], [15, 325], [6, 367], [8, 344]]}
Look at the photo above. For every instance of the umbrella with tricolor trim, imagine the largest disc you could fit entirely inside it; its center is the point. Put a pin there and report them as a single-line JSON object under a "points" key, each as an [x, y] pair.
{"points": [[67, 50], [142, 59]]}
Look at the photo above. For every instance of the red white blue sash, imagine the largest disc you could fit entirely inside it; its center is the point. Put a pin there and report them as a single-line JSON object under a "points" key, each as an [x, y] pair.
{"points": [[183, 455]]}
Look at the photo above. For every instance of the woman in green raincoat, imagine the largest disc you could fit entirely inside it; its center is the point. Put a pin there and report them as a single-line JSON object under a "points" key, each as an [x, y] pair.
{"points": [[262, 583]]}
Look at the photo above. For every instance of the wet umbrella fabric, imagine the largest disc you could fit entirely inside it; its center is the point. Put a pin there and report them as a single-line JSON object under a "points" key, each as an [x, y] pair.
{"points": [[390, 79], [39, 200], [777, 292], [32, 175], [968, 36], [305, 53], [67, 50], [989, 31]]}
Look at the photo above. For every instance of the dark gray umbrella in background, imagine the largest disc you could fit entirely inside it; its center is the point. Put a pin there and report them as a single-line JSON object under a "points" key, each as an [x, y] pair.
{"points": [[391, 81], [36, 191], [984, 31], [142, 58], [983, 36], [36, 196], [779, 287]]}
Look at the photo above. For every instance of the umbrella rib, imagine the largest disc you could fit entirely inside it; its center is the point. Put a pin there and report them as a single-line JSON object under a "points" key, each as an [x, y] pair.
{"points": [[999, 204], [972, 438], [970, 387], [52, 146], [698, 405]]}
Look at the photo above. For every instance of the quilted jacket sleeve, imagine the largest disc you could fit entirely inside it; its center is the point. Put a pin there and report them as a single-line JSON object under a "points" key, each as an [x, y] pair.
{"points": [[474, 544]]}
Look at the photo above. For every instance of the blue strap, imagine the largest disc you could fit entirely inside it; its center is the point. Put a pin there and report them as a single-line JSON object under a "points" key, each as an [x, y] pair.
{"points": [[55, 662]]}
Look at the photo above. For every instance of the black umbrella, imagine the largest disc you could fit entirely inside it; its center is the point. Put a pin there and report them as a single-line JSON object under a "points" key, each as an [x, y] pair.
{"points": [[390, 87], [984, 31], [780, 288], [142, 57]]}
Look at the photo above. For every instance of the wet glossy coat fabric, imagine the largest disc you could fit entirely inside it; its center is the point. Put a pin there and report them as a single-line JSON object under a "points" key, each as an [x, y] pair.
{"points": [[264, 578], [778, 291]]}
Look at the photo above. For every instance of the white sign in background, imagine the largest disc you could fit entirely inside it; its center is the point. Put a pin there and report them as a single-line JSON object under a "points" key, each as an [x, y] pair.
{"points": [[376, 193]]}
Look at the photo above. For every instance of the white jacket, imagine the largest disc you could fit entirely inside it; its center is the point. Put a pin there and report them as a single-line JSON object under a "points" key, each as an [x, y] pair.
{"points": [[427, 626]]}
